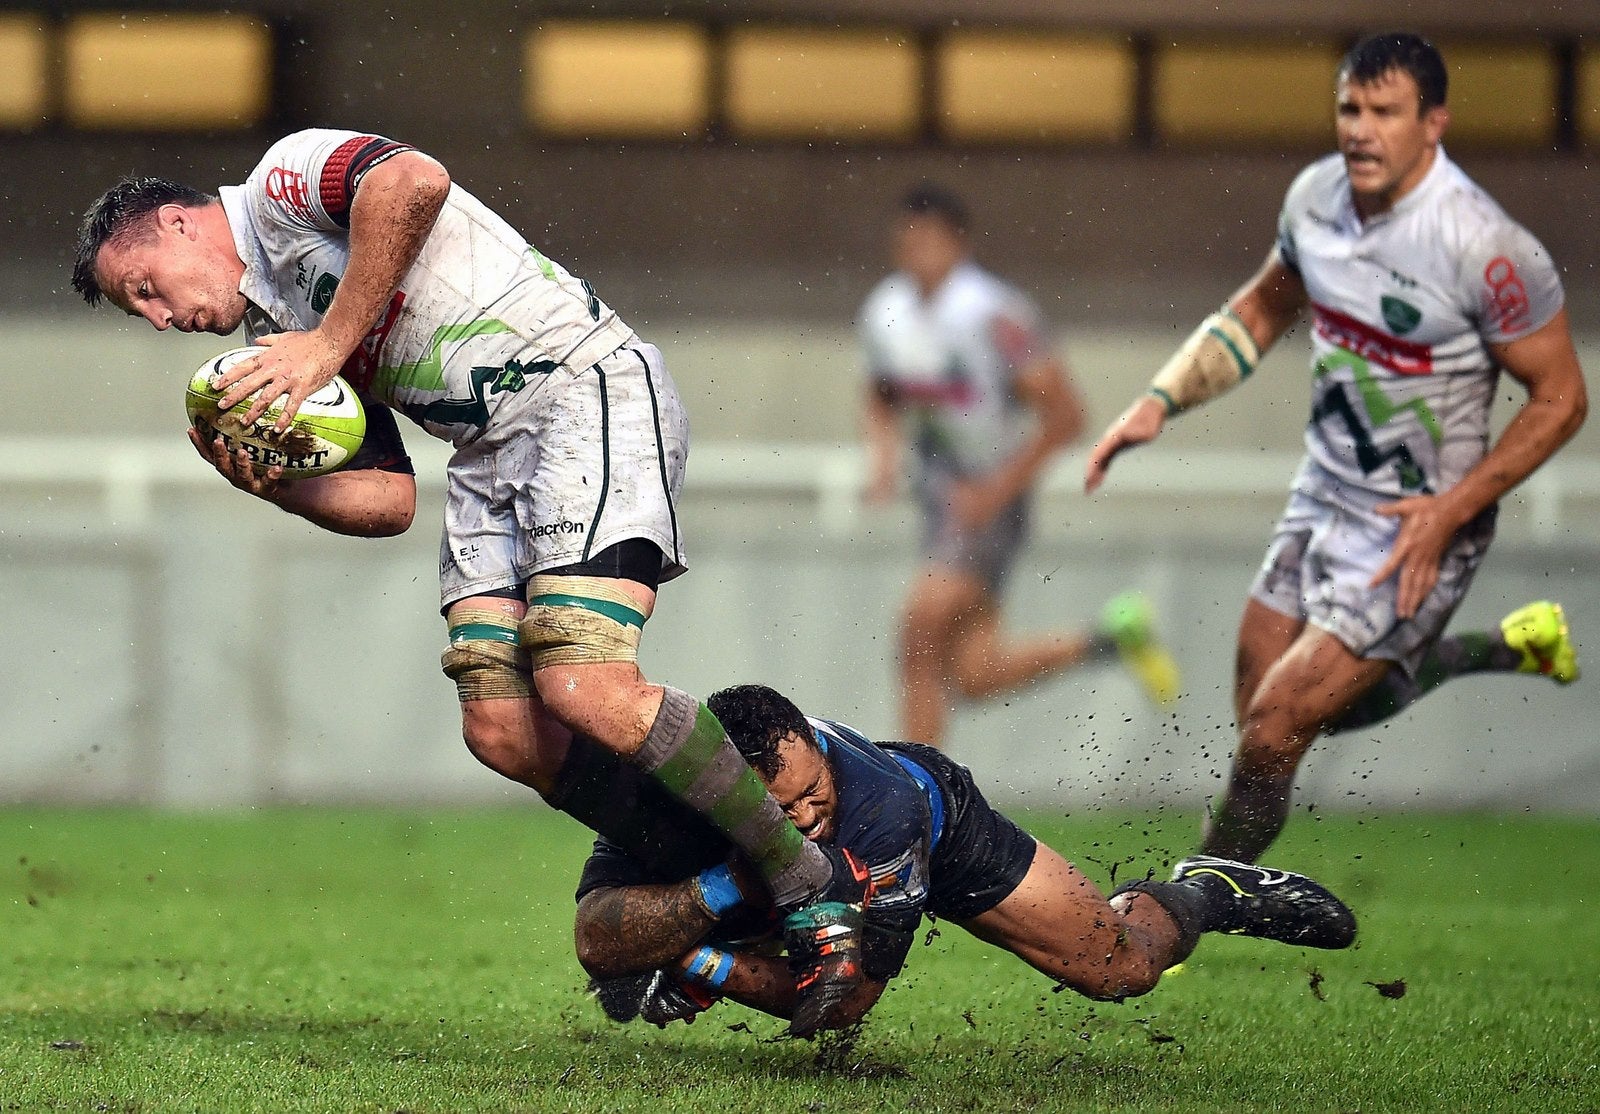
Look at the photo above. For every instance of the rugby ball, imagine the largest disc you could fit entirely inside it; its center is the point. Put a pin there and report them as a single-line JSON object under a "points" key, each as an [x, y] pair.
{"points": [[326, 432]]}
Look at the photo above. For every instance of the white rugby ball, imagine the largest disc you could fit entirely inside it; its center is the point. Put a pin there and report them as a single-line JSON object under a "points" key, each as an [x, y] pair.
{"points": [[326, 432]]}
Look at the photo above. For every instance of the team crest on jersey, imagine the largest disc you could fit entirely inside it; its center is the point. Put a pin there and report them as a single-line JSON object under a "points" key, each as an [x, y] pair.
{"points": [[322, 293], [1400, 316]]}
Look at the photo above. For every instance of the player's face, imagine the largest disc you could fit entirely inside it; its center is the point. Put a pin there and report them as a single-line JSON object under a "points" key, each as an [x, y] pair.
{"points": [[926, 247], [174, 276], [1388, 144], [803, 786]]}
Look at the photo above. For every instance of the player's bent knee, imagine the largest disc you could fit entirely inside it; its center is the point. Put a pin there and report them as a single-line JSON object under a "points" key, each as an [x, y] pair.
{"points": [[1140, 978], [971, 685], [488, 666], [1122, 978], [1272, 742], [593, 957], [930, 617], [1118, 977], [496, 741]]}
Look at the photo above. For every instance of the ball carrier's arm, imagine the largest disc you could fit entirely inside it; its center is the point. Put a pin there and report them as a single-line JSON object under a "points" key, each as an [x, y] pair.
{"points": [[393, 211], [1215, 358], [362, 503]]}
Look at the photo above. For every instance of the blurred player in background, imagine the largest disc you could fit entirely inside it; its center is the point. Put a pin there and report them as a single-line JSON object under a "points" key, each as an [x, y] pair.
{"points": [[665, 930], [958, 364], [347, 252], [1421, 289]]}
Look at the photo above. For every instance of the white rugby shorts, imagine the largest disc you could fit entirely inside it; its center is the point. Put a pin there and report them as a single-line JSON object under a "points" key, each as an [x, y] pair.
{"points": [[1322, 557], [589, 458], [988, 554]]}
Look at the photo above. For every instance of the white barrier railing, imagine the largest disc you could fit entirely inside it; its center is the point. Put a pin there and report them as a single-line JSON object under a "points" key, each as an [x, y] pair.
{"points": [[111, 535], [127, 473]]}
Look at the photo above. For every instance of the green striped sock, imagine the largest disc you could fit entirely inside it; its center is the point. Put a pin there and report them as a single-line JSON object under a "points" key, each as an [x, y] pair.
{"points": [[688, 753]]}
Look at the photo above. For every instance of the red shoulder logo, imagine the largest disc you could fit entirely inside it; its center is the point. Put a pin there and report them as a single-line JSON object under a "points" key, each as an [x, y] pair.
{"points": [[1507, 294], [288, 188]]}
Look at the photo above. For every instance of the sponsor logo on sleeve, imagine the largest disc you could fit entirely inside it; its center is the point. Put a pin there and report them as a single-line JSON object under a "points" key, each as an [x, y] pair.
{"points": [[288, 189], [1508, 295]]}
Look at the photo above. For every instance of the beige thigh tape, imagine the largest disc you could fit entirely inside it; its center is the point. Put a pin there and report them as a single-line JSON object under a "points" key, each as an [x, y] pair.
{"points": [[484, 658], [580, 620]]}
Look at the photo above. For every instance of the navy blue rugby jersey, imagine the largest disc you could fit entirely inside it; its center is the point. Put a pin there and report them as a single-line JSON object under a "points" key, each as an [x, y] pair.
{"points": [[883, 817]]}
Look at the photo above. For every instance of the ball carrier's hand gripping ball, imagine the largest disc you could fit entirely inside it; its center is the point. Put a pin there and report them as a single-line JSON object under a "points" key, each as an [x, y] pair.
{"points": [[325, 434]]}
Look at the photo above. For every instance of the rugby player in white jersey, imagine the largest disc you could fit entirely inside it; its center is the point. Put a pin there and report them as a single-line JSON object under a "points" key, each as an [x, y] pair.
{"points": [[960, 372], [1421, 290], [346, 252]]}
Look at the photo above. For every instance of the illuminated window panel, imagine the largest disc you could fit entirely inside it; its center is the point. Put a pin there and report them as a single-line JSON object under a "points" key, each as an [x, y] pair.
{"points": [[797, 83], [23, 97], [613, 78], [996, 86], [1501, 94], [1587, 108], [165, 72], [1246, 92]]}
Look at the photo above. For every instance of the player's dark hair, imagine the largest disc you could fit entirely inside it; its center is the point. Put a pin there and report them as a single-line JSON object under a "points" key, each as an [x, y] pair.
{"points": [[928, 199], [757, 719], [1376, 55], [117, 216]]}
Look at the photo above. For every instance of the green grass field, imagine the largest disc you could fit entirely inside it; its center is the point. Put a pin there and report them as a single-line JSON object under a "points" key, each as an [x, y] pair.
{"points": [[422, 961]]}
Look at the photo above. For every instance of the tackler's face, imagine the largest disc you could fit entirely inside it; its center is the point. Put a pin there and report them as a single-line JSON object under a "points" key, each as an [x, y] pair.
{"points": [[1386, 137], [803, 787], [170, 272]]}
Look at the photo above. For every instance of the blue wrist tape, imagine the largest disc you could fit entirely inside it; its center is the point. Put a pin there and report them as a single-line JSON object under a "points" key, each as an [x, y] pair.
{"points": [[718, 889], [709, 967]]}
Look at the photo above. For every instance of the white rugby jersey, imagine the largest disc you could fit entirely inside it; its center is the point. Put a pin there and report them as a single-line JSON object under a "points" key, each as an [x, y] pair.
{"points": [[477, 321], [1403, 308], [950, 361]]}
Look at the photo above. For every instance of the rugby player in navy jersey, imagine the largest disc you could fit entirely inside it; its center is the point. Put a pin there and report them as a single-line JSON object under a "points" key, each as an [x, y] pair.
{"points": [[667, 926]]}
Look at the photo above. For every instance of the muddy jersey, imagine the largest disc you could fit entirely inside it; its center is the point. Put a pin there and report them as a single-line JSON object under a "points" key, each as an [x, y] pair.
{"points": [[884, 816], [949, 362], [1403, 308], [477, 321]]}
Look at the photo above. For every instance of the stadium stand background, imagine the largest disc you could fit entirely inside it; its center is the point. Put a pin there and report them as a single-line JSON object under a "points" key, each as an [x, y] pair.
{"points": [[166, 642]]}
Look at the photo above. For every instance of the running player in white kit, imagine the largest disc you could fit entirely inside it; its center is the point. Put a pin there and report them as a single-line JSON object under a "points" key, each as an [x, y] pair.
{"points": [[958, 365], [1421, 290], [346, 252]]}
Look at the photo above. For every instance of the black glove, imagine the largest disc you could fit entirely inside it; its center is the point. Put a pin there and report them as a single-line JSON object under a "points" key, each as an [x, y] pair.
{"points": [[667, 1000]]}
